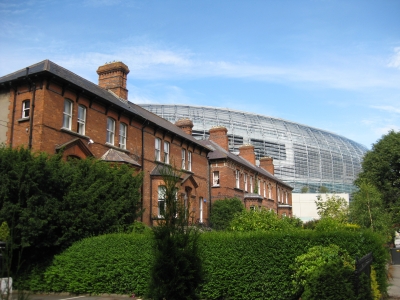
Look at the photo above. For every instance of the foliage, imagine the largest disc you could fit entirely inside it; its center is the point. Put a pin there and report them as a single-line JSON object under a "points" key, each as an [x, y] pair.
{"points": [[333, 207], [4, 232], [368, 211], [237, 265], [376, 294], [323, 189], [49, 203], [381, 167], [304, 189], [223, 211], [115, 263], [261, 220], [177, 269], [323, 273], [329, 224]]}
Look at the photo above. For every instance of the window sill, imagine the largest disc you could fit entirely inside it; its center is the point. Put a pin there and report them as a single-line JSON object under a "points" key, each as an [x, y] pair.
{"points": [[63, 129], [117, 148], [23, 120], [238, 189], [216, 186]]}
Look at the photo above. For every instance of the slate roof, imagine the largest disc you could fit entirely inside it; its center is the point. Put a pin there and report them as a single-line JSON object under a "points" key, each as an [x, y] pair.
{"points": [[117, 156], [47, 67], [217, 152]]}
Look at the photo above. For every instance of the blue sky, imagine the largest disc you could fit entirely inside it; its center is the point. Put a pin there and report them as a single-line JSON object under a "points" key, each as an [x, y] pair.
{"points": [[330, 64]]}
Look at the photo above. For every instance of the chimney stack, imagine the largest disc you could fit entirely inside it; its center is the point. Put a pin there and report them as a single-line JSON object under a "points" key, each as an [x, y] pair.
{"points": [[112, 76], [247, 152], [267, 163], [186, 125], [218, 134]]}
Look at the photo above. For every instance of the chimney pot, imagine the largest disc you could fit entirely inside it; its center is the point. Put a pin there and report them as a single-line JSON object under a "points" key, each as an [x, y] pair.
{"points": [[112, 76], [218, 134]]}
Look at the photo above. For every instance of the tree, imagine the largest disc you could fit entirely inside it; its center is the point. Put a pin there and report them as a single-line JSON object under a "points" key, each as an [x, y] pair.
{"points": [[367, 209], [333, 207], [323, 189], [223, 211], [305, 189], [381, 168], [177, 270], [49, 203]]}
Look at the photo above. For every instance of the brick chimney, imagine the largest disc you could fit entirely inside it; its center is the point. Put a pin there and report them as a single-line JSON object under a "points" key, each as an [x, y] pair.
{"points": [[112, 76], [186, 125], [218, 134], [247, 152], [267, 163]]}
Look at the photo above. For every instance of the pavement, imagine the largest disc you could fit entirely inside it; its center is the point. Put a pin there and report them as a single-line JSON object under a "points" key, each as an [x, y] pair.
{"points": [[394, 282]]}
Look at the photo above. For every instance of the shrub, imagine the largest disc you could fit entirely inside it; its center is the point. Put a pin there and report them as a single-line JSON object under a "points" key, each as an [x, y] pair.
{"points": [[261, 220], [324, 273], [111, 264], [237, 265], [223, 211]]}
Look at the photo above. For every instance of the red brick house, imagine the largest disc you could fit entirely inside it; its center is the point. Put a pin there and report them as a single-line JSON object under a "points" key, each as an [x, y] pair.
{"points": [[238, 176], [48, 108]]}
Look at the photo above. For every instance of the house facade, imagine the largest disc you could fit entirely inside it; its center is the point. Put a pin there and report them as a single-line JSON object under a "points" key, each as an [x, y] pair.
{"points": [[237, 175], [48, 108]]}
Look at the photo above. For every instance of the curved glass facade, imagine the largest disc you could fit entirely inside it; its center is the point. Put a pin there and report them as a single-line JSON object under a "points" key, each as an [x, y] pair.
{"points": [[303, 156]]}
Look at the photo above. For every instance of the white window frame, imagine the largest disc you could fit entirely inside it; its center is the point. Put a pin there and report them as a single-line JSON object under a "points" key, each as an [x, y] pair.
{"points": [[67, 114], [286, 197], [189, 161], [259, 186], [269, 191], [237, 176], [161, 201], [26, 108], [157, 149], [201, 210], [166, 152], [245, 182], [123, 129], [183, 159], [110, 131], [216, 178], [265, 190], [81, 128], [251, 184], [279, 195]]}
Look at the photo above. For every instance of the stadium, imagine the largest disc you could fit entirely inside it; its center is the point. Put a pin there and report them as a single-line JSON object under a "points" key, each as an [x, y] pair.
{"points": [[306, 158]]}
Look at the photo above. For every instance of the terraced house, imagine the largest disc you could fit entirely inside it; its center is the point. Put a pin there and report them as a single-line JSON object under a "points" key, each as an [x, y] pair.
{"points": [[46, 107]]}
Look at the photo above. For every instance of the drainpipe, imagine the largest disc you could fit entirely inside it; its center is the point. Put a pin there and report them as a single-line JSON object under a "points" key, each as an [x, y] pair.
{"points": [[141, 216], [13, 117], [32, 111]]}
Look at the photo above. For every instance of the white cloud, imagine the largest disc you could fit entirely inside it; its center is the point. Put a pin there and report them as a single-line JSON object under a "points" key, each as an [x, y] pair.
{"points": [[385, 129], [388, 108], [395, 59]]}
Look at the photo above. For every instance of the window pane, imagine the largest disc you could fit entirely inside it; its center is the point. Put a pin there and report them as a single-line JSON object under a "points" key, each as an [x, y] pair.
{"points": [[81, 119], [67, 114], [122, 135], [110, 131]]}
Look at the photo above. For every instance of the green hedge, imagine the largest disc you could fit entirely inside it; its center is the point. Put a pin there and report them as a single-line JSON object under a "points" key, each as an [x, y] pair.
{"points": [[111, 264], [252, 265]]}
